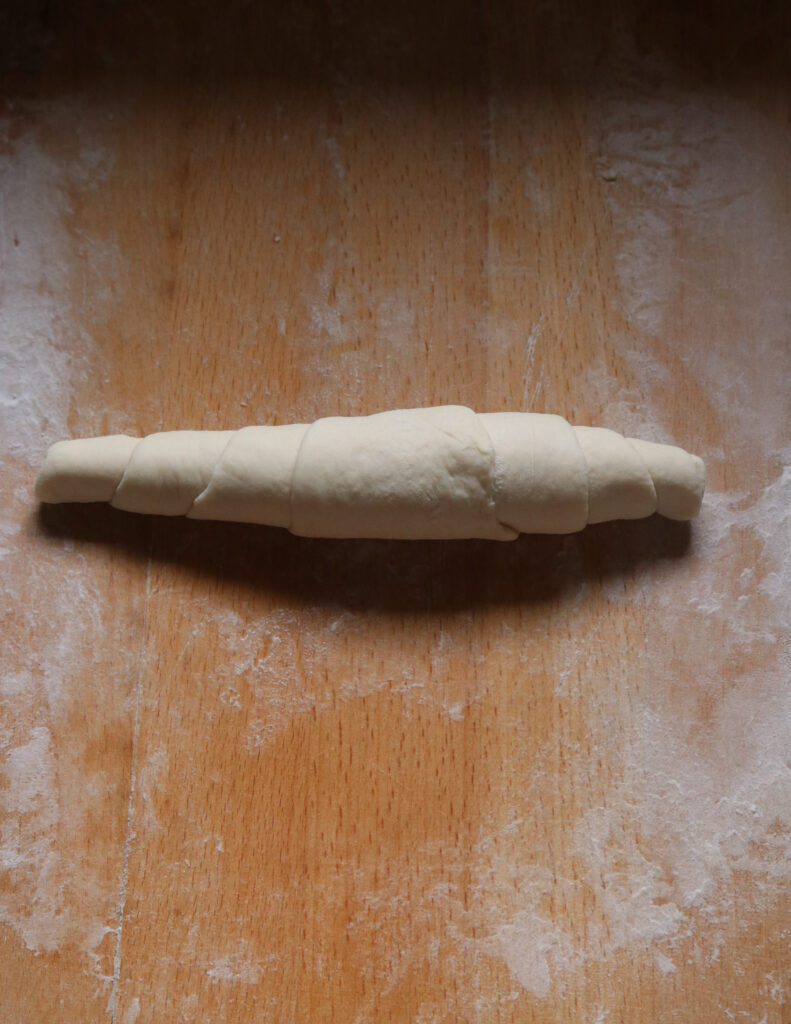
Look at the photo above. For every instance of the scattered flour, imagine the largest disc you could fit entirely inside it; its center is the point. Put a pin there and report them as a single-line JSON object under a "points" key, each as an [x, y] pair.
{"points": [[528, 944], [701, 790], [238, 969], [702, 798], [35, 365], [54, 895], [28, 857], [132, 1012]]}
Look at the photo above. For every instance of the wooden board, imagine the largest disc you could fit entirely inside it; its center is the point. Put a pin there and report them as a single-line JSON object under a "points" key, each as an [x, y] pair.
{"points": [[246, 776]]}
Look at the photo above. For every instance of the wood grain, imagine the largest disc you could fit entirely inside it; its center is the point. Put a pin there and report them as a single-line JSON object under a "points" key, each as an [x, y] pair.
{"points": [[269, 778]]}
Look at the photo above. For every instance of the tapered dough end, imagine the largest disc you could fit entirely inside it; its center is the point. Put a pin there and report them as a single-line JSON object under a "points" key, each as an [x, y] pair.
{"points": [[88, 469], [679, 478]]}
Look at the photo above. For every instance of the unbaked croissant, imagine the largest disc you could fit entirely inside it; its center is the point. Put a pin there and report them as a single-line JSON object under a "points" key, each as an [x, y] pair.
{"points": [[443, 472]]}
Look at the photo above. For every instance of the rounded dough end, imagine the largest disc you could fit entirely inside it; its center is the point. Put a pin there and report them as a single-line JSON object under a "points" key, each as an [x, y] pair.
{"points": [[87, 469], [679, 478]]}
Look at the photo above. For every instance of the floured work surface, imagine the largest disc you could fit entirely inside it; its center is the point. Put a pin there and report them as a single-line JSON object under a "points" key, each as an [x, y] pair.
{"points": [[246, 775]]}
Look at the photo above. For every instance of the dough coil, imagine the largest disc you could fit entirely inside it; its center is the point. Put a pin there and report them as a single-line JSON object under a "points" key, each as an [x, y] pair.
{"points": [[443, 472]]}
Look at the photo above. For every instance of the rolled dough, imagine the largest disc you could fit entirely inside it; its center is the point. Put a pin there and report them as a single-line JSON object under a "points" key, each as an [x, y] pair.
{"points": [[443, 472]]}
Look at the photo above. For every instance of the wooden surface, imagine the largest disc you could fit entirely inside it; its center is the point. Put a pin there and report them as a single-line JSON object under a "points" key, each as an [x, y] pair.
{"points": [[250, 777]]}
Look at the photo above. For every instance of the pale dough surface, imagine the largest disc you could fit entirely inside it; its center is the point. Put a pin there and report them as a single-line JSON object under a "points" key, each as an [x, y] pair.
{"points": [[442, 472]]}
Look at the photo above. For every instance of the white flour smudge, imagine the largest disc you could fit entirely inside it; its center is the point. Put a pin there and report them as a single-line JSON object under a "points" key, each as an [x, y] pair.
{"points": [[359, 330], [35, 365], [704, 246], [57, 634], [239, 969], [45, 351], [528, 944], [132, 1012], [46, 795]]}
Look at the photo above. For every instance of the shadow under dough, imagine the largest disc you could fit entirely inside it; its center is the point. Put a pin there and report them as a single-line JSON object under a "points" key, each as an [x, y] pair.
{"points": [[399, 576]]}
